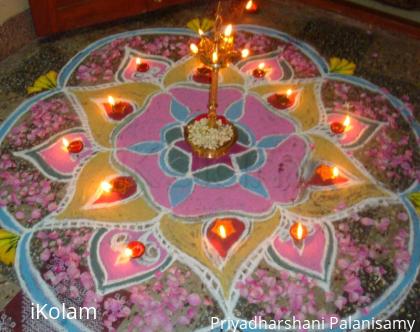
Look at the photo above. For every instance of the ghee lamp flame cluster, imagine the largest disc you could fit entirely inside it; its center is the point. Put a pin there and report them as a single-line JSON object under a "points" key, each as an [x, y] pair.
{"points": [[142, 66], [75, 146], [219, 51]]}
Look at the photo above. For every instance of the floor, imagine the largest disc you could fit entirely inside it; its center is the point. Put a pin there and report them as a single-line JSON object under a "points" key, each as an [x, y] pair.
{"points": [[383, 58], [412, 15]]}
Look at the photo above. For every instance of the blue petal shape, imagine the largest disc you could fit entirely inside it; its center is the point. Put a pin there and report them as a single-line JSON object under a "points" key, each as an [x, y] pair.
{"points": [[253, 184], [270, 142], [178, 111], [148, 147], [235, 111], [180, 190]]}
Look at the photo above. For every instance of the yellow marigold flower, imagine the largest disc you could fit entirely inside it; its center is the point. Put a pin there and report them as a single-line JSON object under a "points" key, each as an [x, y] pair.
{"points": [[415, 199], [196, 24], [44, 82], [342, 66], [8, 244]]}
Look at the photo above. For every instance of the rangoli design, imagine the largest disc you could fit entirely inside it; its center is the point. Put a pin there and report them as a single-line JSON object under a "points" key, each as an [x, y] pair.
{"points": [[73, 233]]}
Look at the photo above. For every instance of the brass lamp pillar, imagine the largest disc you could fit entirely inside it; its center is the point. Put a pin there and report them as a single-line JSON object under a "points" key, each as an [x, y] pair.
{"points": [[212, 107]]}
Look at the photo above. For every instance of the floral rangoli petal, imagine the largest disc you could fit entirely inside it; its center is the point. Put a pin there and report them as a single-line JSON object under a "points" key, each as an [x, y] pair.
{"points": [[358, 132], [80, 206], [101, 128], [187, 237], [54, 157], [315, 257], [154, 67], [113, 270], [307, 111]]}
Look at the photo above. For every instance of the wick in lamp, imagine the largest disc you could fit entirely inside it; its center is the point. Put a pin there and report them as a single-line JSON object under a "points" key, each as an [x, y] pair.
{"points": [[215, 52]]}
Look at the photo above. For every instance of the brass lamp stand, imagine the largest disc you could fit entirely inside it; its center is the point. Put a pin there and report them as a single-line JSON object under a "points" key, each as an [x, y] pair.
{"points": [[215, 52]]}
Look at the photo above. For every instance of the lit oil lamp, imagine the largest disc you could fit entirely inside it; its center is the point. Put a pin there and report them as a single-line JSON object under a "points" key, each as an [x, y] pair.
{"points": [[338, 127], [134, 249], [251, 7], [298, 232], [117, 110], [326, 175], [224, 233], [282, 100], [217, 51], [260, 71], [122, 185], [75, 146], [117, 189], [223, 228], [142, 66]]}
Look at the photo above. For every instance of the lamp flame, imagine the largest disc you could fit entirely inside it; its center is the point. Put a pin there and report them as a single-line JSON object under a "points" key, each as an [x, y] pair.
{"points": [[335, 172], [249, 4], [200, 32], [194, 48], [66, 143], [289, 92], [245, 53], [346, 122], [215, 57], [138, 61], [106, 186], [228, 30], [299, 231], [111, 100], [261, 66], [222, 232], [128, 252]]}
